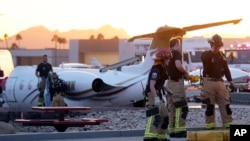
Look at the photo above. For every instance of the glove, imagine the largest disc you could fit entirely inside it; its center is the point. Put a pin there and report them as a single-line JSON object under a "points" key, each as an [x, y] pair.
{"points": [[232, 87]]}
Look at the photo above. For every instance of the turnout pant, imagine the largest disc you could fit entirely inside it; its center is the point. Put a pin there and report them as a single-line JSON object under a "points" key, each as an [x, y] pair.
{"points": [[177, 105], [157, 124], [41, 88], [58, 100], [218, 94]]}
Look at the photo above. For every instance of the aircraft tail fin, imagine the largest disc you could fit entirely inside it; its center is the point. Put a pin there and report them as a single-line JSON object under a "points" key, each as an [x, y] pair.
{"points": [[144, 66], [95, 63]]}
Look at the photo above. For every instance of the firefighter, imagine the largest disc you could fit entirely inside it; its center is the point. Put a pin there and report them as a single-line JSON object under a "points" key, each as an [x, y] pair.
{"points": [[214, 90], [177, 100], [57, 88], [157, 113]]}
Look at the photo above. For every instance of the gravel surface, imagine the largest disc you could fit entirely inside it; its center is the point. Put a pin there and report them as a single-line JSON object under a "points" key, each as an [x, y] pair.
{"points": [[134, 118]]}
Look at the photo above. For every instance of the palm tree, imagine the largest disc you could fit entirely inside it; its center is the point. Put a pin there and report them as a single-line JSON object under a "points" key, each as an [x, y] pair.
{"points": [[64, 41], [6, 39], [18, 38], [59, 41], [115, 37], [55, 39], [14, 46], [100, 36], [92, 37]]}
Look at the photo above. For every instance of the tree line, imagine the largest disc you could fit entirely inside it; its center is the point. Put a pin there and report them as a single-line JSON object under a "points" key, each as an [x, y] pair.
{"points": [[59, 42]]}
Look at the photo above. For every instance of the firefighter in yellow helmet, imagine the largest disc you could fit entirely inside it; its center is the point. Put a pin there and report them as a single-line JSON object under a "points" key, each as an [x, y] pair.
{"points": [[157, 113], [214, 90]]}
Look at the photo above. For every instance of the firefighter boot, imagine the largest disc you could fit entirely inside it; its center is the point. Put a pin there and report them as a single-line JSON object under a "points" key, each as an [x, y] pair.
{"points": [[163, 140], [40, 102], [150, 139], [182, 134]]}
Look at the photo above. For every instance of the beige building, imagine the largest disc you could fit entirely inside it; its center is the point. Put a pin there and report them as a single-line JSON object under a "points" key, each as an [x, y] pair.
{"points": [[106, 51], [34, 57]]}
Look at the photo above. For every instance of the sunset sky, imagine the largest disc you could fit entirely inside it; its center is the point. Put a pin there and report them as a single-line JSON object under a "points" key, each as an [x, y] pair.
{"points": [[134, 16]]}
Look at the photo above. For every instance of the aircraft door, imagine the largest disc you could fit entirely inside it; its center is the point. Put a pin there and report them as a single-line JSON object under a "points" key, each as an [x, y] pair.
{"points": [[10, 89]]}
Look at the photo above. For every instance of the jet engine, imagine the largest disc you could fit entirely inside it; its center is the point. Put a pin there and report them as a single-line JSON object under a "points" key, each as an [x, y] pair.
{"points": [[98, 85]]}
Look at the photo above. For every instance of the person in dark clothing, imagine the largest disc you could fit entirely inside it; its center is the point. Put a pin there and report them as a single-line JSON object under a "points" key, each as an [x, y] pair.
{"points": [[177, 100], [42, 72], [57, 88], [157, 113], [214, 90]]}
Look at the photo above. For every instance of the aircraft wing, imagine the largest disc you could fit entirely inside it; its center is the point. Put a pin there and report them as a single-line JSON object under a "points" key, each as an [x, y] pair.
{"points": [[149, 35], [201, 26], [182, 31]]}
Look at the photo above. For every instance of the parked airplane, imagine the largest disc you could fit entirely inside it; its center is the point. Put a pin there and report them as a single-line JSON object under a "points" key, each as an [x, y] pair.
{"points": [[95, 64], [95, 88]]}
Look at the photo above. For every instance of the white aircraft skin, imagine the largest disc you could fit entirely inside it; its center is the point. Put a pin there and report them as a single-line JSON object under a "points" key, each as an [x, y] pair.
{"points": [[119, 87], [90, 87], [74, 65], [244, 67], [94, 64]]}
